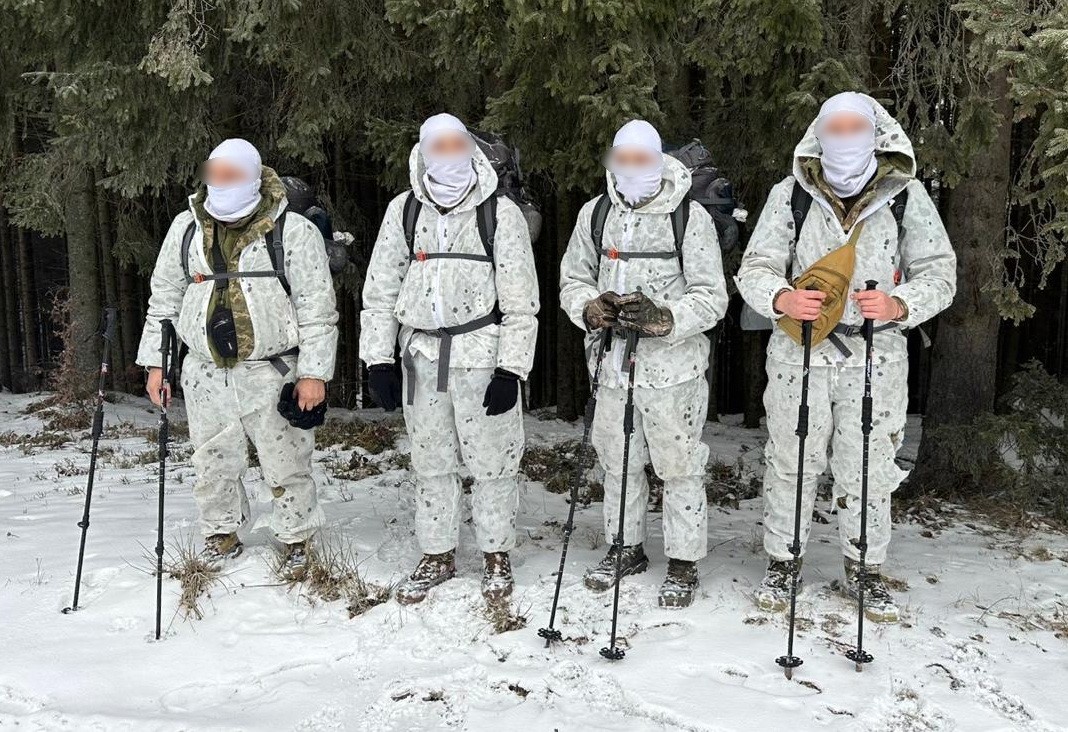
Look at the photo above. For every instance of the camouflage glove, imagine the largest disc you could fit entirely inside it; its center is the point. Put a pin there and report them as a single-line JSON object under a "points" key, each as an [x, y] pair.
{"points": [[639, 313], [601, 311]]}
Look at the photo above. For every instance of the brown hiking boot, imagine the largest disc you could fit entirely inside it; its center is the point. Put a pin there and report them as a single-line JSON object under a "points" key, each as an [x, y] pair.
{"points": [[879, 604], [432, 570], [497, 583], [220, 547], [680, 585], [773, 595], [602, 576]]}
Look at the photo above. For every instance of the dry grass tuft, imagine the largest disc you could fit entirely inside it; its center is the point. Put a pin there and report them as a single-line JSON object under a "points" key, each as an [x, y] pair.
{"points": [[371, 437], [554, 465], [195, 575], [333, 574], [503, 617], [726, 485]]}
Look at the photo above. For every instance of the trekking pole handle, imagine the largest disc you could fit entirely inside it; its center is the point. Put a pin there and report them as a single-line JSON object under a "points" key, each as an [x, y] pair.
{"points": [[870, 284]]}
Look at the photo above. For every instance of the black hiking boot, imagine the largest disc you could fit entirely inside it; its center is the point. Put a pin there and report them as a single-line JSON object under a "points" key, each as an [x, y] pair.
{"points": [[680, 585], [497, 583], [432, 570], [603, 576]]}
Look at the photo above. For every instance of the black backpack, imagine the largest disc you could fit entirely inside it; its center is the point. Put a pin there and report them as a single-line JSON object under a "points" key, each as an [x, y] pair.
{"points": [[301, 199], [504, 159], [708, 187]]}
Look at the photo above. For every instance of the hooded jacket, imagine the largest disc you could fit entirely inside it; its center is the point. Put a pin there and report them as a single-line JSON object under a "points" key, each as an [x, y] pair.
{"points": [[401, 296], [915, 264], [269, 321], [696, 294]]}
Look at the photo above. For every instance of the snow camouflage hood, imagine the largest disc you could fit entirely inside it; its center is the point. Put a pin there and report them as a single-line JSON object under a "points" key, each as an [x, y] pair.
{"points": [[893, 150], [485, 186], [673, 189]]}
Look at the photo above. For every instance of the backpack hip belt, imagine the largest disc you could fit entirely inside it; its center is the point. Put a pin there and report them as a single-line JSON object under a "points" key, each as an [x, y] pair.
{"points": [[276, 360], [850, 331], [445, 334]]}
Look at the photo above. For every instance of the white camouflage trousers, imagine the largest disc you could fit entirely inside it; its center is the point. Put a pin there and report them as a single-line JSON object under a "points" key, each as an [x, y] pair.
{"points": [[834, 398], [667, 430], [226, 406], [451, 428]]}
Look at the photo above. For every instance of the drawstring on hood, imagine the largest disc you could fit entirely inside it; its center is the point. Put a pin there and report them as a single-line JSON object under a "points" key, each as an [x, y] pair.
{"points": [[634, 183], [447, 179], [235, 202]]}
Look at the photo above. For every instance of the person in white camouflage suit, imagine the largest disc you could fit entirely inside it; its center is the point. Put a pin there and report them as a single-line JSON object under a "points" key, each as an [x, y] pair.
{"points": [[638, 279], [857, 164], [460, 298], [232, 382]]}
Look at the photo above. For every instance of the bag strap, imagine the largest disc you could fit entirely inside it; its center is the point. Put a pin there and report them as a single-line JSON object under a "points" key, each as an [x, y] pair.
{"points": [[486, 219], [901, 202], [800, 203], [412, 207], [680, 217], [187, 242], [277, 252], [598, 218]]}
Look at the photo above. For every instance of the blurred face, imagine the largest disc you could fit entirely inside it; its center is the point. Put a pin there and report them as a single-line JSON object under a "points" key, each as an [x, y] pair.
{"points": [[844, 124], [632, 157], [222, 173], [449, 144]]}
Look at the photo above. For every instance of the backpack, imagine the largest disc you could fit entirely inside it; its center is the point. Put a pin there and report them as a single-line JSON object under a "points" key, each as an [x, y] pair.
{"points": [[302, 200], [800, 203], [708, 188], [504, 159]]}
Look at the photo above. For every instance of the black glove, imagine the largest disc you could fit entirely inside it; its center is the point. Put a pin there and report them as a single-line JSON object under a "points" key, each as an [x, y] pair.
{"points": [[384, 385], [502, 392], [304, 419], [639, 313], [601, 311]]}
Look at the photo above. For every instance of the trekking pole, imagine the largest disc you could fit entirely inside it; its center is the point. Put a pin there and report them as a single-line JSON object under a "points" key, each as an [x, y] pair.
{"points": [[611, 652], [789, 662], [551, 634], [168, 343], [107, 332], [858, 655]]}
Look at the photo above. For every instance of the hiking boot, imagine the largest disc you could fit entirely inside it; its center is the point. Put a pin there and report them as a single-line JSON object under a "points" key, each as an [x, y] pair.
{"points": [[220, 547], [680, 585], [294, 561], [773, 595], [432, 570], [879, 605], [497, 581], [603, 576]]}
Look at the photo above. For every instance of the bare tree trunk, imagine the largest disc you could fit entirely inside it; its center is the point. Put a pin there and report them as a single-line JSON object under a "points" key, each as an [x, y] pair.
{"points": [[965, 356], [79, 221], [111, 292], [7, 308]]}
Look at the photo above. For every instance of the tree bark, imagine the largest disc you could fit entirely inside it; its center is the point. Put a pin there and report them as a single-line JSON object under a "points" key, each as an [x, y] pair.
{"points": [[965, 356], [79, 219], [7, 308]]}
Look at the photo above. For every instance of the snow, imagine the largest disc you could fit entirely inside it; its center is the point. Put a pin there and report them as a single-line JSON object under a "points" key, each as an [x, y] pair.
{"points": [[974, 650]]}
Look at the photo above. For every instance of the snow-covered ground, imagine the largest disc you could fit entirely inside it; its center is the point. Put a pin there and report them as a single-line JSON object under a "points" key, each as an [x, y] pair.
{"points": [[975, 650]]}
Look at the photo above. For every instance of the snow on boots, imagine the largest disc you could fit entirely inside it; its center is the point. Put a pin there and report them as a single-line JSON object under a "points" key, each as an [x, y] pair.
{"points": [[879, 604], [432, 570], [219, 548], [680, 585], [602, 576], [497, 583], [773, 595]]}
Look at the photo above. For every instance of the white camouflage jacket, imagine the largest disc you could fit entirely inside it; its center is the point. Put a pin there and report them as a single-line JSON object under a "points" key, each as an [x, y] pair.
{"points": [[696, 294], [306, 320], [399, 296], [919, 266]]}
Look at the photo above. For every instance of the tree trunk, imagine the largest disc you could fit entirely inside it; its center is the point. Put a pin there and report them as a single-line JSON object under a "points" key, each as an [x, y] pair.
{"points": [[28, 304], [7, 308], [572, 374], [79, 219], [965, 356], [111, 290], [11, 311]]}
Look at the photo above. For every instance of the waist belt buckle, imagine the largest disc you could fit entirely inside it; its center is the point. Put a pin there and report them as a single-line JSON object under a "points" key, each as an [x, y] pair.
{"points": [[853, 330]]}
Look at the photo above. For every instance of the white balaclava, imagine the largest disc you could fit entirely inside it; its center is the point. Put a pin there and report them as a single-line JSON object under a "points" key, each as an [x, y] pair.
{"points": [[848, 161], [637, 184], [232, 203], [448, 178]]}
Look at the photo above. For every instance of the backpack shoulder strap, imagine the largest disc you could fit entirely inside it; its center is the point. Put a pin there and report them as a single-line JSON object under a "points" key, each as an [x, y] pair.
{"points": [[901, 202], [680, 217], [486, 219], [800, 202], [410, 217], [277, 251], [187, 243], [597, 221]]}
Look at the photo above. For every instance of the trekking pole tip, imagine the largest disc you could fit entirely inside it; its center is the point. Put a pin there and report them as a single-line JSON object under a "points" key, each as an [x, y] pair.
{"points": [[550, 635], [68, 610], [613, 654]]}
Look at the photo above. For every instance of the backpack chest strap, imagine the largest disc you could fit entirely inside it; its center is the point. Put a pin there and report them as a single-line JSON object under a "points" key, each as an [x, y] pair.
{"points": [[420, 255], [613, 253]]}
